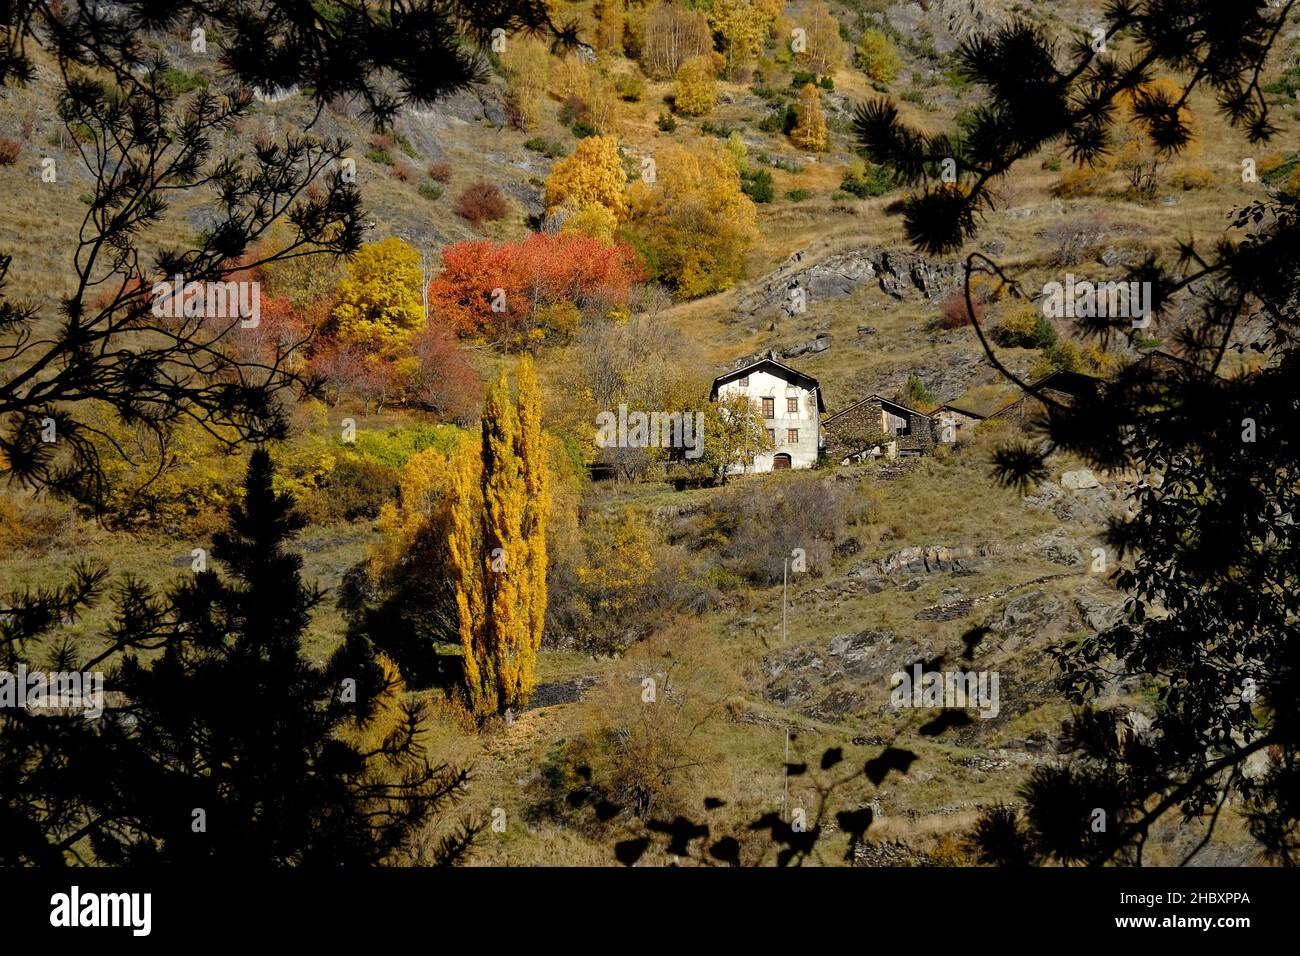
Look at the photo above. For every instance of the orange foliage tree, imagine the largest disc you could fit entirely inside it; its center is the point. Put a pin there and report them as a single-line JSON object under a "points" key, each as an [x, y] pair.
{"points": [[507, 290]]}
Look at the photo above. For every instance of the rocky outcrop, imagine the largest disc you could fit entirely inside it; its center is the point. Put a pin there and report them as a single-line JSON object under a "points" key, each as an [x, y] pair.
{"points": [[898, 274]]}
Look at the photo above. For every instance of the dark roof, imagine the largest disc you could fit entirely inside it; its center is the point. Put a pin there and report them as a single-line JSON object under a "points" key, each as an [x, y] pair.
{"points": [[879, 398], [1073, 383], [948, 406], [794, 376]]}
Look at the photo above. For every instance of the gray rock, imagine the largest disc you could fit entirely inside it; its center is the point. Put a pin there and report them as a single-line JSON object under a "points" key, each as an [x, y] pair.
{"points": [[1078, 480]]}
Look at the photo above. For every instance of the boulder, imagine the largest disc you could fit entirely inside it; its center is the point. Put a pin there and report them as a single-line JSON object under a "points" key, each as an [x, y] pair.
{"points": [[1078, 480]]}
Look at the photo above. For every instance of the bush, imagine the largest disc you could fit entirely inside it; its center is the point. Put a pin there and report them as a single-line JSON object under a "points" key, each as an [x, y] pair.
{"points": [[404, 172], [9, 150], [357, 488], [797, 195], [666, 123], [1192, 177], [868, 183], [582, 128], [1025, 328], [757, 185], [381, 156], [953, 313], [877, 57], [547, 147], [481, 201], [430, 191], [441, 172], [629, 87]]}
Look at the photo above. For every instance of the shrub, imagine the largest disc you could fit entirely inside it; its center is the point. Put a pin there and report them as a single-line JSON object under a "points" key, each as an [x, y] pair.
{"points": [[797, 195], [430, 191], [381, 156], [629, 87], [666, 123], [9, 150], [865, 183], [357, 488], [695, 91], [582, 128], [1192, 177], [441, 172], [1025, 328], [481, 201], [877, 57], [757, 184], [547, 147], [404, 172], [953, 313]]}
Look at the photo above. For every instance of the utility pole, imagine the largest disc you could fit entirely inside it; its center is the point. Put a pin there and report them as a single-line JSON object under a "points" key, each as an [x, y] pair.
{"points": [[785, 793], [785, 596]]}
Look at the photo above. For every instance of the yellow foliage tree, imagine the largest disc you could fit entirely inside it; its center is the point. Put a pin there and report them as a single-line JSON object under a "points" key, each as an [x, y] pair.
{"points": [[810, 124], [593, 175], [877, 57], [497, 546], [381, 300], [695, 218], [695, 92], [823, 49], [527, 65], [744, 26]]}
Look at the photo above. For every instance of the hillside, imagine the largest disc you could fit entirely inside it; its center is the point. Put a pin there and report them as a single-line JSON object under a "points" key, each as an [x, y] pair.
{"points": [[655, 573]]}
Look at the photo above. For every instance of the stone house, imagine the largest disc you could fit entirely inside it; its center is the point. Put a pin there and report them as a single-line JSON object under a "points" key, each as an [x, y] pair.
{"points": [[791, 406], [954, 423], [1064, 388], [848, 433]]}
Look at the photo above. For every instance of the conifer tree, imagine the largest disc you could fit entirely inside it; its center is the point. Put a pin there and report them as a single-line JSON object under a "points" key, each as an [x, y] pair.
{"points": [[240, 750]]}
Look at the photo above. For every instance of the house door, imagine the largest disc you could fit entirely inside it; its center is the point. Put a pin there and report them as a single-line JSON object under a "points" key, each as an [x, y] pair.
{"points": [[781, 461]]}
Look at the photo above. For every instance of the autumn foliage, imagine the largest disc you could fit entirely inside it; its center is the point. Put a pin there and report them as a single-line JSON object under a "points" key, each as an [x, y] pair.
{"points": [[527, 280], [500, 505]]}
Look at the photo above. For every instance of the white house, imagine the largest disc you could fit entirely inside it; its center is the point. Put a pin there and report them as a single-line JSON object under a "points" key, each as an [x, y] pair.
{"points": [[791, 405]]}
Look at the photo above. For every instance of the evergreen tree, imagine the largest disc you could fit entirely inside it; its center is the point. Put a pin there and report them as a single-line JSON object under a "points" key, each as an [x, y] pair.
{"points": [[239, 749]]}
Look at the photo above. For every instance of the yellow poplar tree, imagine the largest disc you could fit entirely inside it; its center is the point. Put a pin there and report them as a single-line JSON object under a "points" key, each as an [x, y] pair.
{"points": [[497, 545], [593, 175], [810, 126]]}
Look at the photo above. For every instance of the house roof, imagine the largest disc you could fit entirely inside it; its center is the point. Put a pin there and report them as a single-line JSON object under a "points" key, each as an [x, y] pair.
{"points": [[883, 401], [1072, 383], [794, 376], [949, 407]]}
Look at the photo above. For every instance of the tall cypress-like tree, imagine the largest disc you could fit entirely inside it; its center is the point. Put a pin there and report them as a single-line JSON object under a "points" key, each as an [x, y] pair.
{"points": [[239, 749], [498, 549]]}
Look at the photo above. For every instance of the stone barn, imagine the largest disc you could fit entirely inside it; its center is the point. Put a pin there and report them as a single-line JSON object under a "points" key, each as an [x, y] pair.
{"points": [[877, 424], [955, 424], [1064, 388], [791, 406]]}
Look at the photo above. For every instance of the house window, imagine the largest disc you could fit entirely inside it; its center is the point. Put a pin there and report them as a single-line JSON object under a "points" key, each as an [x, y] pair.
{"points": [[769, 408], [771, 435], [744, 381], [792, 406], [792, 436]]}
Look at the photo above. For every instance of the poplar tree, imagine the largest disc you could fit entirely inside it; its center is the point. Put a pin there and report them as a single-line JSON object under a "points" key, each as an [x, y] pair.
{"points": [[498, 549]]}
